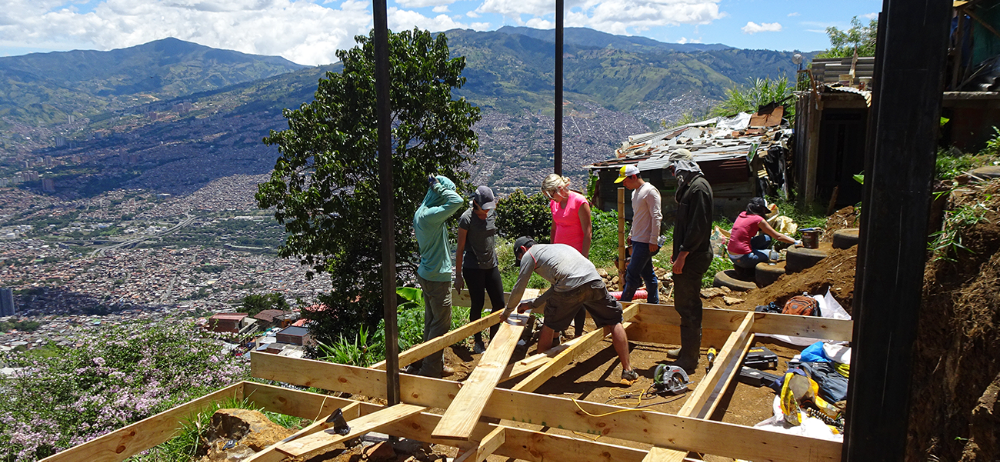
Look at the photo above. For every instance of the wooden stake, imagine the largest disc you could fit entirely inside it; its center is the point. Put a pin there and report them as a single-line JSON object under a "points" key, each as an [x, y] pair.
{"points": [[318, 441]]}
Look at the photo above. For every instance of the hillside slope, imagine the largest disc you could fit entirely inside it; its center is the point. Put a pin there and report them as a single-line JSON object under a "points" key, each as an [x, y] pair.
{"points": [[46, 88]]}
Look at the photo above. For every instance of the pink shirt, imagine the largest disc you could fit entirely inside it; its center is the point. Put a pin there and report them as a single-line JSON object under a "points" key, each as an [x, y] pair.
{"points": [[744, 229], [569, 230]]}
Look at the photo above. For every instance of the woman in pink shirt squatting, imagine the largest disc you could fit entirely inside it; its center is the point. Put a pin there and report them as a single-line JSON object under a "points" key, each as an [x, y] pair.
{"points": [[750, 239], [570, 224]]}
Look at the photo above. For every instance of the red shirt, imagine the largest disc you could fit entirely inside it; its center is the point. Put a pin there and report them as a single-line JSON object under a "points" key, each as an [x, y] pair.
{"points": [[744, 229]]}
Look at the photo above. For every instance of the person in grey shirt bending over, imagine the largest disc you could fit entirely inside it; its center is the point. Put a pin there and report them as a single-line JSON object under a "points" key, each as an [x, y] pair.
{"points": [[575, 282]]}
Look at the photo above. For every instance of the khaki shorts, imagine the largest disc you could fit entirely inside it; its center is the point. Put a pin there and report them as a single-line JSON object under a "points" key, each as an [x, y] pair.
{"points": [[561, 307]]}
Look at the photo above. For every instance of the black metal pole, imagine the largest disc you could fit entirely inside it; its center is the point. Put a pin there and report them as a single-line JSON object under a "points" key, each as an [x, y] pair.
{"points": [[899, 169], [384, 112], [557, 154]]}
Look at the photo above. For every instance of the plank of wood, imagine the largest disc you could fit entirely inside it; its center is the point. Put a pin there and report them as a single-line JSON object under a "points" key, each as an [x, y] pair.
{"points": [[699, 403], [671, 335], [144, 434], [764, 323], [418, 352], [272, 454], [523, 444], [556, 364], [487, 446], [307, 405], [733, 348], [642, 426], [526, 365], [364, 424], [463, 413]]}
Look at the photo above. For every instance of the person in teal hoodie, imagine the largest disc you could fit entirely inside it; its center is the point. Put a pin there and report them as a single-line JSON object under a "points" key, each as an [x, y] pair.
{"points": [[435, 270]]}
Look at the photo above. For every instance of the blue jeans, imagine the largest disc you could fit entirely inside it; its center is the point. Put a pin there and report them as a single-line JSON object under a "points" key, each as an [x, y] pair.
{"points": [[758, 243], [640, 268]]}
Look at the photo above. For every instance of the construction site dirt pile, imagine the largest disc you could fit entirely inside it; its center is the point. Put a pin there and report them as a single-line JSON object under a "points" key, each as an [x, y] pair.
{"points": [[956, 371]]}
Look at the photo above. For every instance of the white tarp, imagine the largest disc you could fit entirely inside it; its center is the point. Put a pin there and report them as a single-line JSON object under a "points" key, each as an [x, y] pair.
{"points": [[737, 122]]}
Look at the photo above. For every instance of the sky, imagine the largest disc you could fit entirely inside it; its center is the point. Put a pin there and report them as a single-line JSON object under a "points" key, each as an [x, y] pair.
{"points": [[310, 31]]}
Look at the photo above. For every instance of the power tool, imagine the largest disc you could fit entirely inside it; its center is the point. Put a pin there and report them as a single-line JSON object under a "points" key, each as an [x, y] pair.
{"points": [[670, 379], [760, 357], [711, 359]]}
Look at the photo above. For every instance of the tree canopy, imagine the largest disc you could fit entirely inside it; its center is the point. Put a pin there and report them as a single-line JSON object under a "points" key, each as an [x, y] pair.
{"points": [[324, 187], [843, 43]]}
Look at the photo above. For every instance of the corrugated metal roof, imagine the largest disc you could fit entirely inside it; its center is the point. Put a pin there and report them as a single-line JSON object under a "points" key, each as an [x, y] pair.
{"points": [[707, 143]]}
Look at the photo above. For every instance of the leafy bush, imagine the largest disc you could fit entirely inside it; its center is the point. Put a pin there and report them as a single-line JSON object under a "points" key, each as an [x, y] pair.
{"points": [[757, 93], [521, 215], [604, 245], [64, 396]]}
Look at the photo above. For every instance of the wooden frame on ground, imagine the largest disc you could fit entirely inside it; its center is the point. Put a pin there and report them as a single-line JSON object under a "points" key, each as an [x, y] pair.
{"points": [[526, 418]]}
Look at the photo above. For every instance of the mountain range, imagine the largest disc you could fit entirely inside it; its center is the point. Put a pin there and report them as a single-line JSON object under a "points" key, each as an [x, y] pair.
{"points": [[83, 108]]}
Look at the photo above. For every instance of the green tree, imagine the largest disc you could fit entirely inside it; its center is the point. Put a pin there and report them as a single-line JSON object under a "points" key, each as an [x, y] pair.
{"points": [[859, 36], [757, 92], [255, 303], [522, 215], [324, 187]]}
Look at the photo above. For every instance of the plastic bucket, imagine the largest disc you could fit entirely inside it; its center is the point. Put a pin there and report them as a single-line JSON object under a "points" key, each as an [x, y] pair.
{"points": [[810, 239]]}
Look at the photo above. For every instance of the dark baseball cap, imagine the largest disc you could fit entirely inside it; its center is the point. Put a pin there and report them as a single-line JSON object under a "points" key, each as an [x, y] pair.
{"points": [[484, 198], [523, 241]]}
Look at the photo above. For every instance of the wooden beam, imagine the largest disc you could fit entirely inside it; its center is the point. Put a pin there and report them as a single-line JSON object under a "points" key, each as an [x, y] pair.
{"points": [[526, 365], [556, 364], [520, 444], [487, 446], [418, 352], [704, 400], [641, 426], [144, 434], [436, 344], [317, 442], [764, 323], [981, 23], [731, 350], [670, 335], [272, 454], [301, 404], [463, 413]]}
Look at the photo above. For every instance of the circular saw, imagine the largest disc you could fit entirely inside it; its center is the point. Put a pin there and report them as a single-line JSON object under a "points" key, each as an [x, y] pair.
{"points": [[671, 379]]}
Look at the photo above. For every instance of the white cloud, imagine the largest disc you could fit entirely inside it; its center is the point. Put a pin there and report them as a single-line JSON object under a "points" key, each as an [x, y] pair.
{"points": [[539, 23], [684, 40], [472, 14], [440, 9], [406, 19], [753, 28], [612, 16], [481, 26], [793, 14], [298, 30], [423, 3], [870, 16]]}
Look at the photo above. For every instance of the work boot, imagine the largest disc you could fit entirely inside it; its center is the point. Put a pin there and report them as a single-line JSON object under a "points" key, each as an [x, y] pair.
{"points": [[479, 348], [673, 353], [690, 349]]}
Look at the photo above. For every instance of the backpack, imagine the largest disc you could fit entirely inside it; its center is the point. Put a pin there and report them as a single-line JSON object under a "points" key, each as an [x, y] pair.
{"points": [[802, 305]]}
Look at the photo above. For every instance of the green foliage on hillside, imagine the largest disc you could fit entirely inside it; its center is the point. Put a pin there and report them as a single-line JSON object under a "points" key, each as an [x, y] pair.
{"points": [[64, 396], [325, 188], [514, 72]]}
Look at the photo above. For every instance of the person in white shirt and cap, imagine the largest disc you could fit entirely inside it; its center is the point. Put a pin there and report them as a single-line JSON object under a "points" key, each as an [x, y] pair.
{"points": [[645, 234]]}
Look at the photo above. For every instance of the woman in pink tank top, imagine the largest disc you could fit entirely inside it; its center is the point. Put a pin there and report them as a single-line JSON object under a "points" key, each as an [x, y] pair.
{"points": [[751, 236], [570, 224]]}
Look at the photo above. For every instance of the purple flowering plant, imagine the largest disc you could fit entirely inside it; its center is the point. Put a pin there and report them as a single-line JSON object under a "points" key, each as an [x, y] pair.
{"points": [[59, 397]]}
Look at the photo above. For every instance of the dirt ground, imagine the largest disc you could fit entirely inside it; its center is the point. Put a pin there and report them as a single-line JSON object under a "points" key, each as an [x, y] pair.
{"points": [[956, 373]]}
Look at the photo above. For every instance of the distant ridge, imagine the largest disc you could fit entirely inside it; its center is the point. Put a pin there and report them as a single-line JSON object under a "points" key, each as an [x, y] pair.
{"points": [[591, 38], [48, 87]]}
